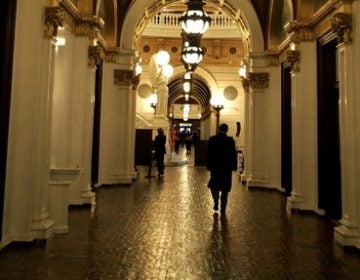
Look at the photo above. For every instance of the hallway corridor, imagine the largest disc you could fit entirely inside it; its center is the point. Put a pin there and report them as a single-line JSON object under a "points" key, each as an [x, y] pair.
{"points": [[166, 229]]}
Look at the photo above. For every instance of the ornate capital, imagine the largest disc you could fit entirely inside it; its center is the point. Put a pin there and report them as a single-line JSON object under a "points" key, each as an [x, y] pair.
{"points": [[88, 27], [259, 80], [123, 78], [246, 84], [54, 18], [299, 31], [342, 25], [293, 57], [95, 55]]}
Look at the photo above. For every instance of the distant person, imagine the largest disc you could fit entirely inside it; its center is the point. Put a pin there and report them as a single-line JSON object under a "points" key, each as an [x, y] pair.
{"points": [[195, 137], [160, 150], [188, 143], [221, 160]]}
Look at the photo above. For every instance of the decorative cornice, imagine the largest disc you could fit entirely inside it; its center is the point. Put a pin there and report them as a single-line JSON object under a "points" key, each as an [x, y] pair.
{"points": [[342, 25], [299, 31], [123, 78], [89, 27], [95, 55], [54, 18], [111, 54], [272, 59], [259, 80], [293, 57]]}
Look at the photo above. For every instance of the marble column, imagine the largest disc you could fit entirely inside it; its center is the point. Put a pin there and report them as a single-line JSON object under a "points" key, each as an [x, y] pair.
{"points": [[348, 233], [258, 126], [42, 224], [302, 57]]}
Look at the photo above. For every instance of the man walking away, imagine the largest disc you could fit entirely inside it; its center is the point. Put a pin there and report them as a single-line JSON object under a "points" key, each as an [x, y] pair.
{"points": [[221, 160]]}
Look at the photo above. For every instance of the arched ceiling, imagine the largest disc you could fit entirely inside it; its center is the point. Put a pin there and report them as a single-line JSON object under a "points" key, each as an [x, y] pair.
{"points": [[265, 10], [271, 15], [200, 92]]}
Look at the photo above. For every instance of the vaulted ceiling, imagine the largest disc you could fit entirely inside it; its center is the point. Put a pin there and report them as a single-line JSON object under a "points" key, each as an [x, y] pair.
{"points": [[270, 13], [262, 8], [272, 16]]}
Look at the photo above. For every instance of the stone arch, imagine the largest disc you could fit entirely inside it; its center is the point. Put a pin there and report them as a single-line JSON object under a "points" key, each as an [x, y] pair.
{"points": [[204, 85], [139, 10]]}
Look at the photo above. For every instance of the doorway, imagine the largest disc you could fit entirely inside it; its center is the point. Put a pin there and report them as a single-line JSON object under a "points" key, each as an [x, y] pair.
{"points": [[329, 174], [286, 129], [96, 126], [7, 31]]}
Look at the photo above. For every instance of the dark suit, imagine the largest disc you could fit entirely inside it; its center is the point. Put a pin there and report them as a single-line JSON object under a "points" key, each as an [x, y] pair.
{"points": [[160, 151], [221, 160]]}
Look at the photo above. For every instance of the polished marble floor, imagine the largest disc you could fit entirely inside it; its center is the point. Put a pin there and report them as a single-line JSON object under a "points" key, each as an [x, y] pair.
{"points": [[166, 229]]}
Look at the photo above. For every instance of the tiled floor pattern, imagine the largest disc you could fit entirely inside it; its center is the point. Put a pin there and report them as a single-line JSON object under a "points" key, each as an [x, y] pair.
{"points": [[166, 229]]}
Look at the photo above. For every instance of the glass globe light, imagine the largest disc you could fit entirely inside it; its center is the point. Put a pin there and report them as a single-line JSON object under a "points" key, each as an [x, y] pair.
{"points": [[168, 70], [162, 58], [192, 55], [195, 20]]}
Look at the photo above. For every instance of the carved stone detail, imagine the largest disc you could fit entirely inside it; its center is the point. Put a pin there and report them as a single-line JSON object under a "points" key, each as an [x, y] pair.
{"points": [[293, 57], [54, 18], [95, 55], [110, 55], [299, 31], [259, 80], [246, 84], [342, 25], [123, 78], [88, 27], [272, 60]]}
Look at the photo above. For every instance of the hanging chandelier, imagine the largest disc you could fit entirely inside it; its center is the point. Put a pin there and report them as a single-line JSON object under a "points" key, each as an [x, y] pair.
{"points": [[195, 21], [192, 54]]}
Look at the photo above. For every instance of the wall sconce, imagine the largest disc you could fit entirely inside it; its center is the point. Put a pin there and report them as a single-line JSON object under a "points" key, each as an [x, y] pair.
{"points": [[217, 105]]}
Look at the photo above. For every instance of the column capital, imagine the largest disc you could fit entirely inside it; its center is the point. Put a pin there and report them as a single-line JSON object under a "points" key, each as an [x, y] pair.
{"points": [[246, 84], [95, 55], [293, 57], [342, 26], [123, 78], [258, 80], [299, 31], [54, 18]]}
